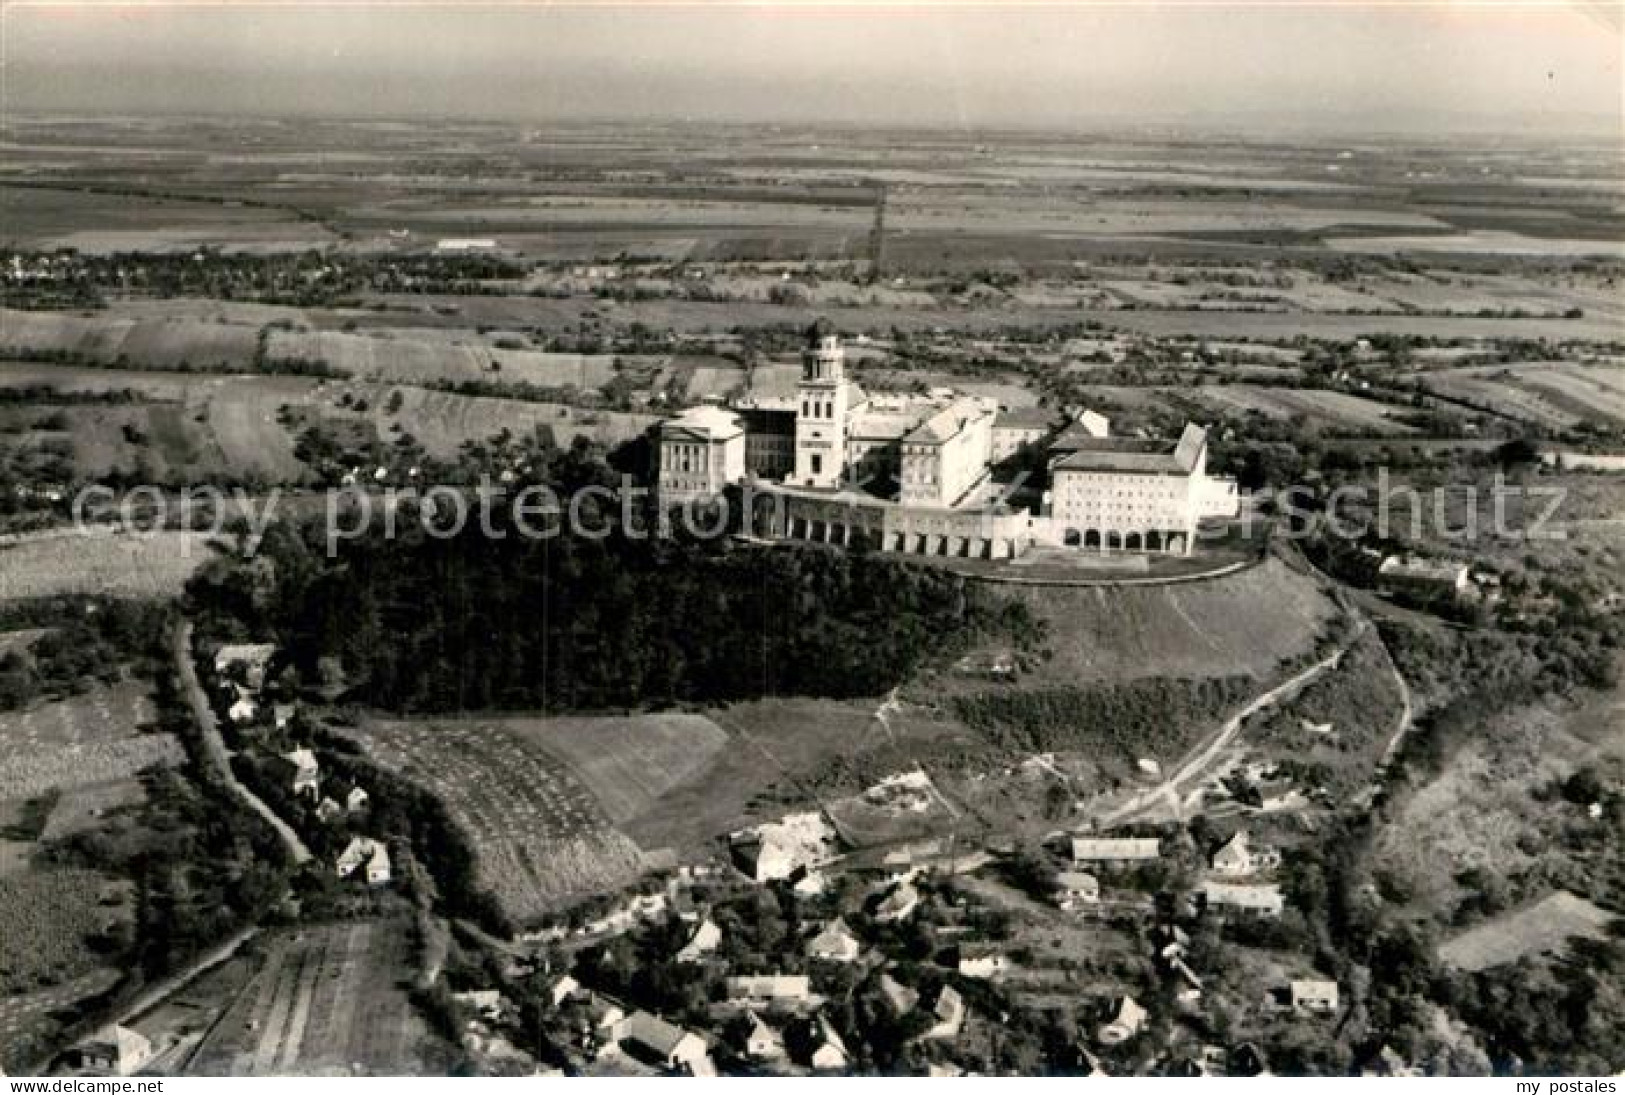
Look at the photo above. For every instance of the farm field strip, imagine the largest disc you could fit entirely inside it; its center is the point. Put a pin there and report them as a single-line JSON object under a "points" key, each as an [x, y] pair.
{"points": [[146, 565], [102, 714], [1335, 408], [627, 763], [1502, 398], [46, 917], [27, 777], [84, 807], [325, 999], [540, 837], [92, 739]]}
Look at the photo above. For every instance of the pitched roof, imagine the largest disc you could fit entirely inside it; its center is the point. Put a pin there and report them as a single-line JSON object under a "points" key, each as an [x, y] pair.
{"points": [[244, 653], [653, 1033], [125, 1043], [777, 986], [836, 939], [1130, 454], [945, 424], [1248, 897], [898, 995], [706, 420], [703, 941], [1107, 848], [1027, 418]]}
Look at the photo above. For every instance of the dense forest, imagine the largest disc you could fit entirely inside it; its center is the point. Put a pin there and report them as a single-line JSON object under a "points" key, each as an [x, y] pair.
{"points": [[574, 624]]}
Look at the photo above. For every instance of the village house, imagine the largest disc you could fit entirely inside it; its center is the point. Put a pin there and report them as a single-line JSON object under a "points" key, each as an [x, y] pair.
{"points": [[1238, 857], [1188, 987], [899, 904], [902, 999], [835, 943], [1115, 849], [1171, 941], [652, 1039], [1314, 997], [949, 1013], [114, 1050], [1387, 1062], [762, 1042], [1128, 1021], [357, 800], [244, 709], [251, 658], [564, 989], [829, 1052], [301, 770], [1425, 577], [367, 852], [983, 967], [702, 941], [601, 1018], [1265, 900], [1075, 890], [788, 989], [488, 1004]]}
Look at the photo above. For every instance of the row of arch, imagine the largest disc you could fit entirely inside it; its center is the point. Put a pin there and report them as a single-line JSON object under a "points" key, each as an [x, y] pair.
{"points": [[946, 546], [1113, 540]]}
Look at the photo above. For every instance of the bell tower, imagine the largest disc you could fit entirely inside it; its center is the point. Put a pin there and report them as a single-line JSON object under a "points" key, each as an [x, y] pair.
{"points": [[823, 399]]}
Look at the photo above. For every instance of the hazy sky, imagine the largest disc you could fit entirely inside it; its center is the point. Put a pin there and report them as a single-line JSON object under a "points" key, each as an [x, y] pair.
{"points": [[1375, 65]]}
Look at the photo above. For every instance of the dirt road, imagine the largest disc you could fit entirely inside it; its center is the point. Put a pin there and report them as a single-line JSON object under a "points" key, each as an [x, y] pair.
{"points": [[214, 746], [1170, 793]]}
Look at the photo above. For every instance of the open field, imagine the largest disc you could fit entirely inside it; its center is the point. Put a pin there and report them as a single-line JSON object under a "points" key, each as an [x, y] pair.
{"points": [[785, 754], [1321, 408], [540, 837], [404, 356], [28, 775], [1543, 928], [1244, 623], [442, 421], [1511, 400], [627, 763], [145, 565], [697, 317], [47, 921], [92, 222], [325, 1000], [85, 807], [103, 714], [1551, 393], [137, 343]]}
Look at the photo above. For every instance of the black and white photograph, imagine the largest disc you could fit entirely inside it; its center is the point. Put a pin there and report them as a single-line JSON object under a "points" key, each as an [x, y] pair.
{"points": [[786, 539]]}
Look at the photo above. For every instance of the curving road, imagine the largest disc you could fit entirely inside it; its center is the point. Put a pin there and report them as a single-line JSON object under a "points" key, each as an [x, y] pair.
{"points": [[1200, 759]]}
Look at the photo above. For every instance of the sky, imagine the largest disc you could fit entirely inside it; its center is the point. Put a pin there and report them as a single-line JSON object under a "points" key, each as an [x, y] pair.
{"points": [[1377, 65]]}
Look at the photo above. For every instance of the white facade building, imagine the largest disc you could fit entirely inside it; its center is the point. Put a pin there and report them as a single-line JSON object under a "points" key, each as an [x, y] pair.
{"points": [[701, 452], [912, 472]]}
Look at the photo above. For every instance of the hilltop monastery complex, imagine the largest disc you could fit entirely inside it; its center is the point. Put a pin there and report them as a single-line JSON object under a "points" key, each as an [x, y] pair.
{"points": [[921, 473]]}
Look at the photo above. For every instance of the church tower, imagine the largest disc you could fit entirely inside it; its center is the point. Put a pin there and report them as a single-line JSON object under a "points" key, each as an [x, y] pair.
{"points": [[823, 400]]}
